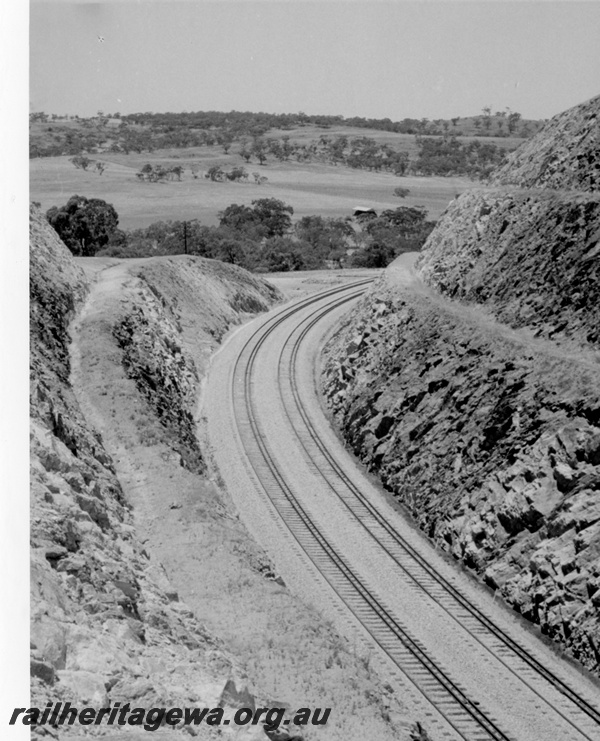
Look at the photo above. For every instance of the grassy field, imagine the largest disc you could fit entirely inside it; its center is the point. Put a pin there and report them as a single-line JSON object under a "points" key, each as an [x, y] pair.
{"points": [[311, 188]]}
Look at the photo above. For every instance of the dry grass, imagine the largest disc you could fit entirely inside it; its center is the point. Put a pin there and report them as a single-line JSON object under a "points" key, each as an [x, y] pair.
{"points": [[311, 188]]}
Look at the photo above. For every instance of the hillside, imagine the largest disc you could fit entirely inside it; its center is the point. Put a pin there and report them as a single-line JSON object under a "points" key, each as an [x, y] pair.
{"points": [[103, 615], [52, 135], [470, 385]]}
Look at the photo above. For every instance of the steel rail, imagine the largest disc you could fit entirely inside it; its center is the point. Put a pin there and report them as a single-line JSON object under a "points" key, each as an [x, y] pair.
{"points": [[444, 693], [366, 507]]}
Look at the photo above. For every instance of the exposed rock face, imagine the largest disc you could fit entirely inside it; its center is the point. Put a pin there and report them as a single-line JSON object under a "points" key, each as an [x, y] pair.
{"points": [[565, 154], [105, 624], [531, 257], [483, 416], [151, 337]]}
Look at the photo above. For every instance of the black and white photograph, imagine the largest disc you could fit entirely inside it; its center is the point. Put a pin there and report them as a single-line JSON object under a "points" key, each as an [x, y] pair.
{"points": [[306, 431]]}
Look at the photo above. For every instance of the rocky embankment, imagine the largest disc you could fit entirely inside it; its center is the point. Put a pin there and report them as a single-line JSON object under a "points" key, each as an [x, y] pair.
{"points": [[106, 625], [474, 389], [531, 257], [564, 155]]}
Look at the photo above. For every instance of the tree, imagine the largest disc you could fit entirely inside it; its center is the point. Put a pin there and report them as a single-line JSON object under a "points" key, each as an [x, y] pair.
{"points": [[401, 192], [329, 238], [84, 225], [259, 150], [81, 162], [176, 170], [406, 218], [146, 171], [230, 250], [237, 174], [286, 147], [215, 173], [237, 217], [276, 149], [403, 229], [512, 120], [268, 217], [39, 116], [226, 141], [160, 173], [243, 151], [374, 255], [281, 254], [273, 216]]}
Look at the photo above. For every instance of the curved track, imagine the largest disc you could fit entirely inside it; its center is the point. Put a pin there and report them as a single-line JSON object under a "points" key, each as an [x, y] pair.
{"points": [[505, 649], [433, 681]]}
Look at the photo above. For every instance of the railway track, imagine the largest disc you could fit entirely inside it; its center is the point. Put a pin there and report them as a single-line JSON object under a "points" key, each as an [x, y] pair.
{"points": [[433, 681], [501, 645]]}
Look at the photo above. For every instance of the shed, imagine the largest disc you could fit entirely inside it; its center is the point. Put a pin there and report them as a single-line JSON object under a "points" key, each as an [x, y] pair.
{"points": [[364, 211]]}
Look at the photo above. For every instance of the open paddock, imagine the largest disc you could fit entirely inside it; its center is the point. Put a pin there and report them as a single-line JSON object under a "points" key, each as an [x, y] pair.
{"points": [[310, 188]]}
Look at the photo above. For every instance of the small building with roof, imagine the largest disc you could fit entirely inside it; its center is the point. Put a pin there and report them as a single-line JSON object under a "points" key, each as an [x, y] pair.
{"points": [[363, 211]]}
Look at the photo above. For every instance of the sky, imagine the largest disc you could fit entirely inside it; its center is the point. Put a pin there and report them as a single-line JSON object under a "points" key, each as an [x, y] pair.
{"points": [[354, 58]]}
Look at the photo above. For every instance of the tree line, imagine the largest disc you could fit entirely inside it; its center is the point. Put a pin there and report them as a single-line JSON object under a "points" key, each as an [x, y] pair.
{"points": [[141, 132], [260, 237], [445, 155]]}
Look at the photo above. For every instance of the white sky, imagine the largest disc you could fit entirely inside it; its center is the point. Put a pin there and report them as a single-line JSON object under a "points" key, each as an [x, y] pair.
{"points": [[373, 59]]}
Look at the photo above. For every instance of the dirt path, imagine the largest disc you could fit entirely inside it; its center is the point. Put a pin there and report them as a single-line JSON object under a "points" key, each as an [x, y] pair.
{"points": [[401, 274]]}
